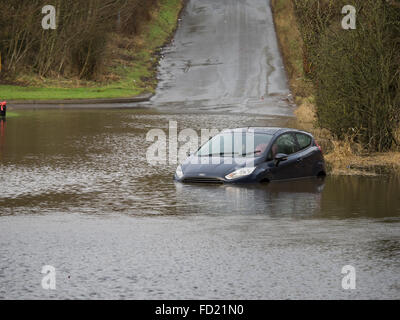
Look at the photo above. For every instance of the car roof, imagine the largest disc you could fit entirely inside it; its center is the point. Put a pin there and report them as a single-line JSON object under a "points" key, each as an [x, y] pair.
{"points": [[266, 130]]}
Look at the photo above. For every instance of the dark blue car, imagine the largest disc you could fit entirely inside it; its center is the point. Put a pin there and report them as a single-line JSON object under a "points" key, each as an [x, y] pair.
{"points": [[254, 155]]}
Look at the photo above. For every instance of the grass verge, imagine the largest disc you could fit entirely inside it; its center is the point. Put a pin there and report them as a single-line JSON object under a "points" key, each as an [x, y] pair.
{"points": [[130, 69], [342, 157]]}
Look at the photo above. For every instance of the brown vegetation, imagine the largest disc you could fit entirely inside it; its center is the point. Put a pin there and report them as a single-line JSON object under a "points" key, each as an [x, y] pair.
{"points": [[77, 47], [350, 152], [356, 72]]}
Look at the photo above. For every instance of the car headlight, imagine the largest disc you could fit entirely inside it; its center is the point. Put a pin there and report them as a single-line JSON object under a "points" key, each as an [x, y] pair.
{"points": [[240, 173], [179, 172]]}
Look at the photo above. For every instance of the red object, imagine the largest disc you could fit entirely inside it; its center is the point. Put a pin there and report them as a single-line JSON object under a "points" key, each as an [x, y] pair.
{"points": [[319, 147], [3, 104]]}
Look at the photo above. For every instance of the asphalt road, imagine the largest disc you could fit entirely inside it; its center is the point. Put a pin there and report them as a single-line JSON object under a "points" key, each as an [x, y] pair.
{"points": [[224, 58]]}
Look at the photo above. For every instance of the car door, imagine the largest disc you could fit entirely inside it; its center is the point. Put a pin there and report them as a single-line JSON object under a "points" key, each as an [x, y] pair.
{"points": [[309, 153], [288, 169], [306, 156]]}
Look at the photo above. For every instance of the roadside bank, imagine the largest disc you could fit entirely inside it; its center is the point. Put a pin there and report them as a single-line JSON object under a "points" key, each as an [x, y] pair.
{"points": [[343, 157], [82, 103], [129, 73]]}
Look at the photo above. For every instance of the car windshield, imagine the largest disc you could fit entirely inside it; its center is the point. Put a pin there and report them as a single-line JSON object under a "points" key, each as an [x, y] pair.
{"points": [[236, 144]]}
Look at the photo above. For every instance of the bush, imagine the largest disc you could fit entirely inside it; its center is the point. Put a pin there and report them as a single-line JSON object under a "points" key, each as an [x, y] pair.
{"points": [[356, 72]]}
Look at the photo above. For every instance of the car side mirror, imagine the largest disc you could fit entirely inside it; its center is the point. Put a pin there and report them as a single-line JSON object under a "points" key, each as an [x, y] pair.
{"points": [[280, 157]]}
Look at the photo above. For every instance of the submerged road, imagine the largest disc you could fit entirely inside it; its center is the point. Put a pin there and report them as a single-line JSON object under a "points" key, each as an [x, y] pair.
{"points": [[224, 58]]}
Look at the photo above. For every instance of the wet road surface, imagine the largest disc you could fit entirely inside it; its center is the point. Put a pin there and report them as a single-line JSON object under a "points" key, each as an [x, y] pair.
{"points": [[77, 193], [224, 58]]}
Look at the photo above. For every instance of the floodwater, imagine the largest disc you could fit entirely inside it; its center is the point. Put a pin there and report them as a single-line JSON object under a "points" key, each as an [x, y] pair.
{"points": [[77, 192]]}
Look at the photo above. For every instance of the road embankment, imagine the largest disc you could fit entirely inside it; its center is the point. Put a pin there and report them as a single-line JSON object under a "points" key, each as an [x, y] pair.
{"points": [[129, 71]]}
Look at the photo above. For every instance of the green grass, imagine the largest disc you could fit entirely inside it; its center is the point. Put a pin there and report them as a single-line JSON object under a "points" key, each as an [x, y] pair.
{"points": [[26, 93], [136, 79], [11, 114]]}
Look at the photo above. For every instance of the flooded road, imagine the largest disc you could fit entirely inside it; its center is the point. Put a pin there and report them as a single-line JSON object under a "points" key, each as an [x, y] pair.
{"points": [[77, 192]]}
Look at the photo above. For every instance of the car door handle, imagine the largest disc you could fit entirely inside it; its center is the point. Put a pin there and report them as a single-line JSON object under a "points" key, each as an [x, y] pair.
{"points": [[299, 160]]}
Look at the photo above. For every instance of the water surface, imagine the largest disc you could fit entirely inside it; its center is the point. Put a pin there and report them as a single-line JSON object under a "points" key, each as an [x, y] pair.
{"points": [[76, 192]]}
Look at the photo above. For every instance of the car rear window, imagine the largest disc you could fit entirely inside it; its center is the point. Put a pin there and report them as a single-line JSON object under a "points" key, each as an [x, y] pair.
{"points": [[303, 140]]}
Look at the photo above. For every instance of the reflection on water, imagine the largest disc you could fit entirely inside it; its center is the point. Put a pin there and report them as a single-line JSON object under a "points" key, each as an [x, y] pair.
{"points": [[2, 135], [273, 199], [95, 162], [332, 197], [76, 192], [351, 197]]}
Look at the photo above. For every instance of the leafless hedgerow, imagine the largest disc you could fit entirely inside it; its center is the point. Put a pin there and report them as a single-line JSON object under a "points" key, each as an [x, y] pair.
{"points": [[356, 73]]}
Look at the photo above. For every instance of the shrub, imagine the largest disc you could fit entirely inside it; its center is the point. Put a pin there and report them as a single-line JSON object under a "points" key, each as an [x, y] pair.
{"points": [[356, 72]]}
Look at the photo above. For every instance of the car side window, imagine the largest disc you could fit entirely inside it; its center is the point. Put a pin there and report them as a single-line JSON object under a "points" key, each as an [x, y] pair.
{"points": [[303, 140], [286, 143]]}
